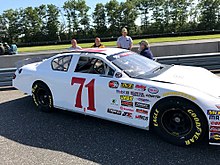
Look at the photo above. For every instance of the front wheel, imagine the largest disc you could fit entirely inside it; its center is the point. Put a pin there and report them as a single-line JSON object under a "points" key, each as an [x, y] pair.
{"points": [[42, 97], [179, 122]]}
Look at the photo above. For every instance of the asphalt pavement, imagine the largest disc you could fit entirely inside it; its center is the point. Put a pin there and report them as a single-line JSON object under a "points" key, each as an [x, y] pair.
{"points": [[28, 137]]}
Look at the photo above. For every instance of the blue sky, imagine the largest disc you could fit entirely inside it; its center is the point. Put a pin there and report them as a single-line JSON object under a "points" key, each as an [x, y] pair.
{"points": [[15, 4]]}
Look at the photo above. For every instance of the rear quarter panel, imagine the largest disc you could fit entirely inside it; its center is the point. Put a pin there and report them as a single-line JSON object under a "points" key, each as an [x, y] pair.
{"points": [[30, 73], [24, 80]]}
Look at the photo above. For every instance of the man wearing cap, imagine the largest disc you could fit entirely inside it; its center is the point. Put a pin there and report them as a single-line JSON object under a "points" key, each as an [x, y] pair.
{"points": [[125, 41], [145, 49]]}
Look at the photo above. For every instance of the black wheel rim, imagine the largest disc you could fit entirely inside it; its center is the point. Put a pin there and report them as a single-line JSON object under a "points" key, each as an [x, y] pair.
{"points": [[43, 97], [177, 122]]}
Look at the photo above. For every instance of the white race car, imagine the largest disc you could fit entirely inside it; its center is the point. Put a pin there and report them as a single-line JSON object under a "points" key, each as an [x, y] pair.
{"points": [[180, 103]]}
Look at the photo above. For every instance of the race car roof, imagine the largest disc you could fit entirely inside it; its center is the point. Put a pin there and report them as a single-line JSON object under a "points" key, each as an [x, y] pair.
{"points": [[103, 51]]}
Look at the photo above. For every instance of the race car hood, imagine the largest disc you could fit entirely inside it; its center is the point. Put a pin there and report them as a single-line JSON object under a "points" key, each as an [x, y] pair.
{"points": [[193, 77]]}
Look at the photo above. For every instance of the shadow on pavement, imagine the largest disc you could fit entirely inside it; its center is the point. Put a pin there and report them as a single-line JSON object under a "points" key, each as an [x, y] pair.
{"points": [[93, 139]]}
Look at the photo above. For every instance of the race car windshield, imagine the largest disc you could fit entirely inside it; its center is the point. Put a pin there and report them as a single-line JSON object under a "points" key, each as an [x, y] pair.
{"points": [[135, 65]]}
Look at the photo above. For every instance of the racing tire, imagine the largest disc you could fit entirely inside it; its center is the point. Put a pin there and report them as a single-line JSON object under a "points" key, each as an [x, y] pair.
{"points": [[179, 122], [2, 50], [42, 97]]}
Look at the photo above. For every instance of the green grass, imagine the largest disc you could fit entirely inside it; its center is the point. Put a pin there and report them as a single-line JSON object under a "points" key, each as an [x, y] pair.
{"points": [[113, 43]]}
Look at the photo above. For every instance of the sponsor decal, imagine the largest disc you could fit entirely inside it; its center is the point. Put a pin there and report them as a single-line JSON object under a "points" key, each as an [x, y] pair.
{"points": [[214, 117], [126, 109], [127, 103], [152, 96], [153, 90], [179, 94], [213, 112], [126, 98], [197, 134], [118, 75], [218, 106], [113, 84], [140, 87], [142, 111], [127, 114], [113, 57], [215, 136], [143, 100], [142, 105], [113, 111], [125, 54], [141, 117], [137, 94], [215, 123], [114, 102], [155, 117], [214, 129], [122, 92], [127, 85]]}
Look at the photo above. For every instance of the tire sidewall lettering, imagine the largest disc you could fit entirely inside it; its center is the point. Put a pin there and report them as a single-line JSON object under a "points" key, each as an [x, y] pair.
{"points": [[34, 88], [34, 96], [35, 100], [50, 102], [155, 118], [198, 125]]}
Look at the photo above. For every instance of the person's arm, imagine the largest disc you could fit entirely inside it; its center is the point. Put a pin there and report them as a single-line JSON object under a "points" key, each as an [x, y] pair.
{"points": [[118, 43], [131, 44], [149, 54]]}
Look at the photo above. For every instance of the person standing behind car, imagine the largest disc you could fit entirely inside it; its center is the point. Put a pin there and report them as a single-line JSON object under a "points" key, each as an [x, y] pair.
{"points": [[145, 49], [74, 46], [14, 49], [125, 41], [98, 43]]}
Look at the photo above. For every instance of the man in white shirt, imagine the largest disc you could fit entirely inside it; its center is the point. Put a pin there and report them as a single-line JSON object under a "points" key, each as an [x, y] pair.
{"points": [[125, 41], [74, 45]]}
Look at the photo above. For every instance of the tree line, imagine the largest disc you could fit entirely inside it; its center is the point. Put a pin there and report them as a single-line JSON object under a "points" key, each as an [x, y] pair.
{"points": [[52, 23]]}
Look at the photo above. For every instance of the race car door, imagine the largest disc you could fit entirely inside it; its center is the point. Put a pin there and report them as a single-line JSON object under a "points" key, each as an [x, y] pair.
{"points": [[95, 91]]}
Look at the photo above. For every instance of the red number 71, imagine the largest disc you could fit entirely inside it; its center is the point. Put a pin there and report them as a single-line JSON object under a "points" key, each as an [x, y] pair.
{"points": [[91, 97]]}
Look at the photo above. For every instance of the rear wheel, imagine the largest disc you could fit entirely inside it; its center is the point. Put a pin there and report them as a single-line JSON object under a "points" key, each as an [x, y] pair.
{"points": [[42, 97], [179, 122]]}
